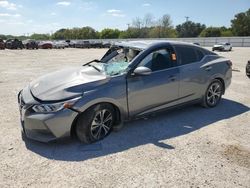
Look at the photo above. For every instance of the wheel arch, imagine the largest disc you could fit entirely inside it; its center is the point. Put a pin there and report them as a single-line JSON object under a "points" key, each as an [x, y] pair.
{"points": [[117, 116], [223, 83]]}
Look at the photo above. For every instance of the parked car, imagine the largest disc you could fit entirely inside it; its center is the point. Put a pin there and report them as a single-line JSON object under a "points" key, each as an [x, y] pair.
{"points": [[222, 47], [106, 44], [248, 69], [82, 44], [95, 44], [2, 44], [30, 44], [14, 44], [45, 45], [131, 80], [68, 43], [59, 44], [71, 43]]}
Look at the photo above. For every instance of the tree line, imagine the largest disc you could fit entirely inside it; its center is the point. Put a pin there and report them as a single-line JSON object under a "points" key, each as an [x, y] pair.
{"points": [[148, 27]]}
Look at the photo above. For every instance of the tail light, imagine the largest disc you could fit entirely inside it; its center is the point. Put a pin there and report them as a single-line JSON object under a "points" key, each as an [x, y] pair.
{"points": [[230, 64]]}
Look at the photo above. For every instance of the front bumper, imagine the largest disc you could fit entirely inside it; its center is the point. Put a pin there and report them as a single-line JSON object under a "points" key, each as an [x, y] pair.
{"points": [[219, 48], [44, 127]]}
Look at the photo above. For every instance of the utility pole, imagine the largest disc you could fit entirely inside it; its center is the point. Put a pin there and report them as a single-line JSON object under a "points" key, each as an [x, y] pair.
{"points": [[186, 18]]}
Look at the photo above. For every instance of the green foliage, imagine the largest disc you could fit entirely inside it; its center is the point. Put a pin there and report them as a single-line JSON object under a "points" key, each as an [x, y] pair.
{"points": [[110, 34], [161, 32], [189, 29], [75, 33], [211, 32], [226, 32], [241, 24], [37, 36]]}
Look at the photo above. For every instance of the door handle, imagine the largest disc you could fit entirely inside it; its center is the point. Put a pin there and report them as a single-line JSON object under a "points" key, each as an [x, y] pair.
{"points": [[208, 68], [172, 78]]}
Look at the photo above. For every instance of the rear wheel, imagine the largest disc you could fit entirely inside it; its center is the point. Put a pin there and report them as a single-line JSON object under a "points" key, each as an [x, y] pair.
{"points": [[95, 123], [213, 94]]}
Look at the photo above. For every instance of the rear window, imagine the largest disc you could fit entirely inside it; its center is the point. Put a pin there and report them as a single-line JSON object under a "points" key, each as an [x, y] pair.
{"points": [[186, 55], [189, 55], [200, 54]]}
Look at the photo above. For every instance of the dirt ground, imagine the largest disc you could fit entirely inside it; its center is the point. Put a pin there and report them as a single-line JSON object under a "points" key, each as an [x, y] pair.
{"points": [[188, 147]]}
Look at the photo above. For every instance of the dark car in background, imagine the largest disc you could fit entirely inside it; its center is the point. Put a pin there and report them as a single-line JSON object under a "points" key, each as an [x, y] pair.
{"points": [[2, 44], [248, 69], [106, 44], [14, 44], [96, 44], [30, 44], [45, 45], [82, 44]]}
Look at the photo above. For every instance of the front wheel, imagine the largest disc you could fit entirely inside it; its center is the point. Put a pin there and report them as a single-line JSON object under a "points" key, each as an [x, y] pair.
{"points": [[95, 123], [213, 94]]}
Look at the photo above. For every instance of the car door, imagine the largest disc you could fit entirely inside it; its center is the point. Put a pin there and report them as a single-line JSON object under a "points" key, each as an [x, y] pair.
{"points": [[192, 76], [157, 90]]}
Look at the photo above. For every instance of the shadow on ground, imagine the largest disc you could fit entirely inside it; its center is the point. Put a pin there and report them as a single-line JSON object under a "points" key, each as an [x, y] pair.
{"points": [[140, 132]]}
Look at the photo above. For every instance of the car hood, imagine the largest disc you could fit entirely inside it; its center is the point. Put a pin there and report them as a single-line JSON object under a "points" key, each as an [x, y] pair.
{"points": [[66, 84], [218, 45]]}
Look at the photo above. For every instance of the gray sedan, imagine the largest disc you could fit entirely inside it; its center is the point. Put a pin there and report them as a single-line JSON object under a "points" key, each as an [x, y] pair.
{"points": [[132, 79]]}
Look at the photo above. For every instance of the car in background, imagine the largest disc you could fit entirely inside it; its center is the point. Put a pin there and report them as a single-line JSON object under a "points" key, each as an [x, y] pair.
{"points": [[45, 45], [248, 69], [2, 44], [30, 44], [96, 44], [71, 43], [82, 44], [106, 44], [133, 79], [14, 44], [222, 47], [60, 44]]}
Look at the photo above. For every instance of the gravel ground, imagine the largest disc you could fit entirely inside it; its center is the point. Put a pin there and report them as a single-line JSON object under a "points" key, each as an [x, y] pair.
{"points": [[188, 147]]}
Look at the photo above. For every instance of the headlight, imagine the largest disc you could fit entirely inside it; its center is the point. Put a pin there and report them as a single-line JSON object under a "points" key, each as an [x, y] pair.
{"points": [[46, 108]]}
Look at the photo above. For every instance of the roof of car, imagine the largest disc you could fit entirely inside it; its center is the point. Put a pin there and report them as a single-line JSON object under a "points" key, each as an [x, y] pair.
{"points": [[143, 44]]}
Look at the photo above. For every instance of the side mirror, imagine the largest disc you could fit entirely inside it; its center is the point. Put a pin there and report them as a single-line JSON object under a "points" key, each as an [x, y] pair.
{"points": [[142, 71]]}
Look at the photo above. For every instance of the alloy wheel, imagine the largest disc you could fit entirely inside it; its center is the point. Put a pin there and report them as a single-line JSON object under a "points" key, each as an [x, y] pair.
{"points": [[101, 124], [214, 93]]}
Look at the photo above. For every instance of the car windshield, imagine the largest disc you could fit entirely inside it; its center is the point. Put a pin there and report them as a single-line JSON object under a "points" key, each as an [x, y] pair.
{"points": [[116, 61]]}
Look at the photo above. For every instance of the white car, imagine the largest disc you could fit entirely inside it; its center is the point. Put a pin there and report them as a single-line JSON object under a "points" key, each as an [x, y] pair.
{"points": [[225, 46], [60, 44]]}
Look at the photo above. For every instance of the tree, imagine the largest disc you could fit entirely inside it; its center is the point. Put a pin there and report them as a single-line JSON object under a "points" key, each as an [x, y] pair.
{"points": [[189, 29], [59, 34], [166, 21], [37, 36], [109, 34], [137, 23], [211, 32], [130, 33], [226, 32], [241, 24], [148, 20], [76, 33]]}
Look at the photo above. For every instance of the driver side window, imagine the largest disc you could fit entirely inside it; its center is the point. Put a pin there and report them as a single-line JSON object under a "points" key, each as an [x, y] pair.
{"points": [[157, 60]]}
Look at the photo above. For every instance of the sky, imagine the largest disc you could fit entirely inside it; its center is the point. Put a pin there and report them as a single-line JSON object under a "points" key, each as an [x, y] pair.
{"points": [[25, 17]]}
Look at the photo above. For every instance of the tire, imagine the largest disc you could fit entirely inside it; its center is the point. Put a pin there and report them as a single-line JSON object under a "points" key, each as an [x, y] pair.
{"points": [[89, 126], [213, 94]]}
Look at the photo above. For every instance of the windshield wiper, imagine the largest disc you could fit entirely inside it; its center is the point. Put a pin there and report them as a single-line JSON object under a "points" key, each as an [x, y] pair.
{"points": [[89, 64], [95, 60], [99, 70]]}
